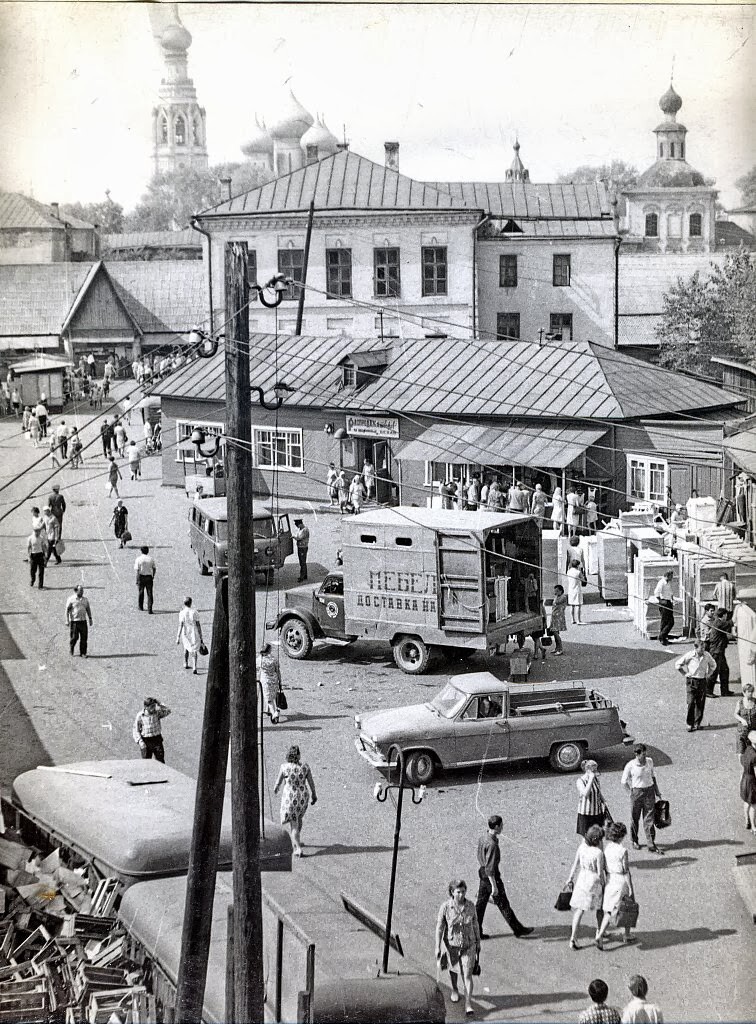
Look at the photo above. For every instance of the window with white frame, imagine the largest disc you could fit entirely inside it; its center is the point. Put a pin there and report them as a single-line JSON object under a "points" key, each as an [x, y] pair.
{"points": [[647, 479], [186, 452], [445, 472], [279, 448]]}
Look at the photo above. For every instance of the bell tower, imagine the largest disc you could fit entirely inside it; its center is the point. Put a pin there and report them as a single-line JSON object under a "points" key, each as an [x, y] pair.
{"points": [[178, 121]]}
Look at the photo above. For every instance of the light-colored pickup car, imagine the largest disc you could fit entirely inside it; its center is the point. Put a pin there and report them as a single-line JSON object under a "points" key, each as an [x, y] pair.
{"points": [[476, 718]]}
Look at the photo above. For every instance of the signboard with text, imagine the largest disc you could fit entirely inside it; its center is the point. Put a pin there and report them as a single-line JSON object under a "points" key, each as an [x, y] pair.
{"points": [[373, 426]]}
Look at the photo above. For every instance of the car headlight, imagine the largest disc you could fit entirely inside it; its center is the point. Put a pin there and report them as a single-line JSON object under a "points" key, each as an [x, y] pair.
{"points": [[358, 721]]}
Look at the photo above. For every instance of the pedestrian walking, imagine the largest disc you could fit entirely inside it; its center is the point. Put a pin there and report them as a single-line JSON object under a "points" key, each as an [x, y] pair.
{"points": [[745, 714], [592, 809], [57, 504], [557, 510], [666, 601], [725, 593], [120, 521], [748, 781], [16, 402], [331, 488], [558, 623], [25, 418], [298, 793], [52, 531], [145, 570], [106, 436], [638, 1010], [342, 488], [575, 591], [114, 475], [496, 499], [591, 514], [517, 498], [62, 435], [458, 940], [598, 1012], [41, 411], [640, 779], [703, 629], [356, 493], [135, 460], [587, 878], [90, 365], [37, 522], [34, 430], [269, 678], [698, 667], [79, 618], [538, 505], [76, 450], [119, 434], [36, 547], [147, 433], [302, 537], [719, 638], [491, 885], [368, 476], [52, 442], [190, 633], [148, 729], [619, 881]]}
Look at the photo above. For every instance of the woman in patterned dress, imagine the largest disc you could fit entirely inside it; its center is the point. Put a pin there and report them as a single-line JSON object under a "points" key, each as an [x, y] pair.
{"points": [[457, 930], [619, 881], [298, 789], [589, 874]]}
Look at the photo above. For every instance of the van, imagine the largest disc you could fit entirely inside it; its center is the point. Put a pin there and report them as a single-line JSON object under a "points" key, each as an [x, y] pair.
{"points": [[208, 535]]}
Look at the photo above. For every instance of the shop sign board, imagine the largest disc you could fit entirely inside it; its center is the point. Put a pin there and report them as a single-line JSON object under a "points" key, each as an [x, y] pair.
{"points": [[373, 426]]}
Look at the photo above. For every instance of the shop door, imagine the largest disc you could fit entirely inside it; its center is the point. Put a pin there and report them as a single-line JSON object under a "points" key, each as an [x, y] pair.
{"points": [[382, 472]]}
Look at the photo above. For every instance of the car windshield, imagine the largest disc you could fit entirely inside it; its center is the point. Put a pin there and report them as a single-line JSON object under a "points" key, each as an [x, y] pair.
{"points": [[449, 701], [264, 529]]}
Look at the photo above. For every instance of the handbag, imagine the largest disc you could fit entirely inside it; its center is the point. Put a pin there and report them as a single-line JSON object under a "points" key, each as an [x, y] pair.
{"points": [[281, 702], [476, 967], [626, 913], [443, 961], [203, 650], [662, 816], [125, 536], [608, 819], [583, 577], [564, 897]]}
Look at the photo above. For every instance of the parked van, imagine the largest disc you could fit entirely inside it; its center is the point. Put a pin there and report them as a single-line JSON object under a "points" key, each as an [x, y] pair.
{"points": [[208, 526]]}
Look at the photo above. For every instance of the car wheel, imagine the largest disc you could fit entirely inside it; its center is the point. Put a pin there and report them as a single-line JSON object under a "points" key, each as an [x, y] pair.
{"points": [[420, 768], [295, 639], [204, 571], [412, 655], [566, 757]]}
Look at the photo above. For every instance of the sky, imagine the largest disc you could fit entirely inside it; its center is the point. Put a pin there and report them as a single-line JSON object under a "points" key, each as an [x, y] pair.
{"points": [[454, 84]]}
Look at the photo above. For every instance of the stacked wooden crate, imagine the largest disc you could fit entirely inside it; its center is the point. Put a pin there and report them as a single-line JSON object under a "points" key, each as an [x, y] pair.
{"points": [[726, 543], [612, 565], [699, 573], [649, 569]]}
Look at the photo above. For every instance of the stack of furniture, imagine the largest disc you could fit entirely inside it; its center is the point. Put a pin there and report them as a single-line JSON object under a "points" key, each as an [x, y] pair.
{"points": [[649, 569], [612, 565]]}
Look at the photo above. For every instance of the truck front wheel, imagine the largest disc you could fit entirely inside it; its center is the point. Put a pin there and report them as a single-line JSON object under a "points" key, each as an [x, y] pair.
{"points": [[420, 768], [411, 655], [566, 757], [295, 639]]}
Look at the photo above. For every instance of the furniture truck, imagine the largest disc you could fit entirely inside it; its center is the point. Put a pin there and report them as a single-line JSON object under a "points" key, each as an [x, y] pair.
{"points": [[423, 579]]}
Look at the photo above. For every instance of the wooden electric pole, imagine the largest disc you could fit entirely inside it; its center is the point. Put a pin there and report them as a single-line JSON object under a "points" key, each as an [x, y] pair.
{"points": [[248, 954], [305, 262]]}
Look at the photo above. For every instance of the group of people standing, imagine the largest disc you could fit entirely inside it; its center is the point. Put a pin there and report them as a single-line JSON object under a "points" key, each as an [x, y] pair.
{"points": [[350, 495], [577, 512]]}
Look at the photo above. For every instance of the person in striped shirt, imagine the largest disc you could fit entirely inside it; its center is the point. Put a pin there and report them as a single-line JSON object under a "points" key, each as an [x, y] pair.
{"points": [[592, 809], [724, 593]]}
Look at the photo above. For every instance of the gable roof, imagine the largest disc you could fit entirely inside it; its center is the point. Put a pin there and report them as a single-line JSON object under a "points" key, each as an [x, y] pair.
{"points": [[19, 212], [188, 238], [162, 296], [528, 200], [460, 377], [36, 298], [342, 181]]}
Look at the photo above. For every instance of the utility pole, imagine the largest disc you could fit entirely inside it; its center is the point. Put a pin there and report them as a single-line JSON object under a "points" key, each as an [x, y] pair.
{"points": [[305, 261], [247, 937]]}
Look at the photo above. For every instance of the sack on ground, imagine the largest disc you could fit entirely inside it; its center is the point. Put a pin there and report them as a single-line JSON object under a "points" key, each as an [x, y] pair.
{"points": [[125, 536], [626, 913], [281, 702], [563, 899], [662, 816]]}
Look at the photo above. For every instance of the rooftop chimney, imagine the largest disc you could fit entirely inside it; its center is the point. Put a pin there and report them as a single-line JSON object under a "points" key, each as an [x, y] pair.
{"points": [[311, 154], [227, 183], [342, 146], [392, 155], [55, 207]]}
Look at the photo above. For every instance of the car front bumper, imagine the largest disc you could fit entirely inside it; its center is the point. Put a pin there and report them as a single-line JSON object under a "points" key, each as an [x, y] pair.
{"points": [[371, 755]]}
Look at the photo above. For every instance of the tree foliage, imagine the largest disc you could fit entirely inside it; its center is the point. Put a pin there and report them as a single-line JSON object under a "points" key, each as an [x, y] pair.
{"points": [[173, 197], [710, 316], [107, 215], [747, 188], [616, 176]]}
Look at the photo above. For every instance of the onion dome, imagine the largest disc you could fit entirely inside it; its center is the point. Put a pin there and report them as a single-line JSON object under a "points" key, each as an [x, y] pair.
{"points": [[176, 39], [671, 174], [517, 171], [291, 119], [320, 135], [670, 102], [260, 142]]}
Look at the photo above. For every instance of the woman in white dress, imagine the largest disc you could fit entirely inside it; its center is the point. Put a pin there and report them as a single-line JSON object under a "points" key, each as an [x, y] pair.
{"points": [[575, 591], [557, 509], [619, 881], [588, 876], [190, 632]]}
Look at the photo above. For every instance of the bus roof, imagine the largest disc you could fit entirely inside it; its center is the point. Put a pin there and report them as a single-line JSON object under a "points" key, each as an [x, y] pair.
{"points": [[215, 508]]}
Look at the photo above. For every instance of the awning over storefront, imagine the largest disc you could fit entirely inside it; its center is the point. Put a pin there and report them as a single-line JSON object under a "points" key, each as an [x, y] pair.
{"points": [[536, 447], [742, 450]]}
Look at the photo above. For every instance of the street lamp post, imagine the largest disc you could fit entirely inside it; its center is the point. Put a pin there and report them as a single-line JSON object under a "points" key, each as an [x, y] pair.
{"points": [[381, 794]]}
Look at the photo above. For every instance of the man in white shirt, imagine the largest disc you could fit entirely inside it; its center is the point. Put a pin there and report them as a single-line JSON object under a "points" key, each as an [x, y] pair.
{"points": [[145, 570], [638, 1011], [698, 667], [666, 598], [638, 777]]}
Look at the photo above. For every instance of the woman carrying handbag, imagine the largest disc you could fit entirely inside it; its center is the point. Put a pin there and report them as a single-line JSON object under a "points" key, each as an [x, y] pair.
{"points": [[458, 941], [619, 889]]}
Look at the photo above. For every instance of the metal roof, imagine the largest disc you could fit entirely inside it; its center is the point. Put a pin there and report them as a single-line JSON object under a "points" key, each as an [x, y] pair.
{"points": [[19, 212], [41, 364], [187, 238], [35, 298], [526, 199], [541, 448], [551, 228], [162, 295], [689, 442], [459, 377]]}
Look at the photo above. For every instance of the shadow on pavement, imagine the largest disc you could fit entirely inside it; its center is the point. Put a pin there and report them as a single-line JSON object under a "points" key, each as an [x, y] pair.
{"points": [[107, 657], [299, 716], [680, 937], [662, 862], [338, 849], [699, 844], [20, 747], [512, 1002]]}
